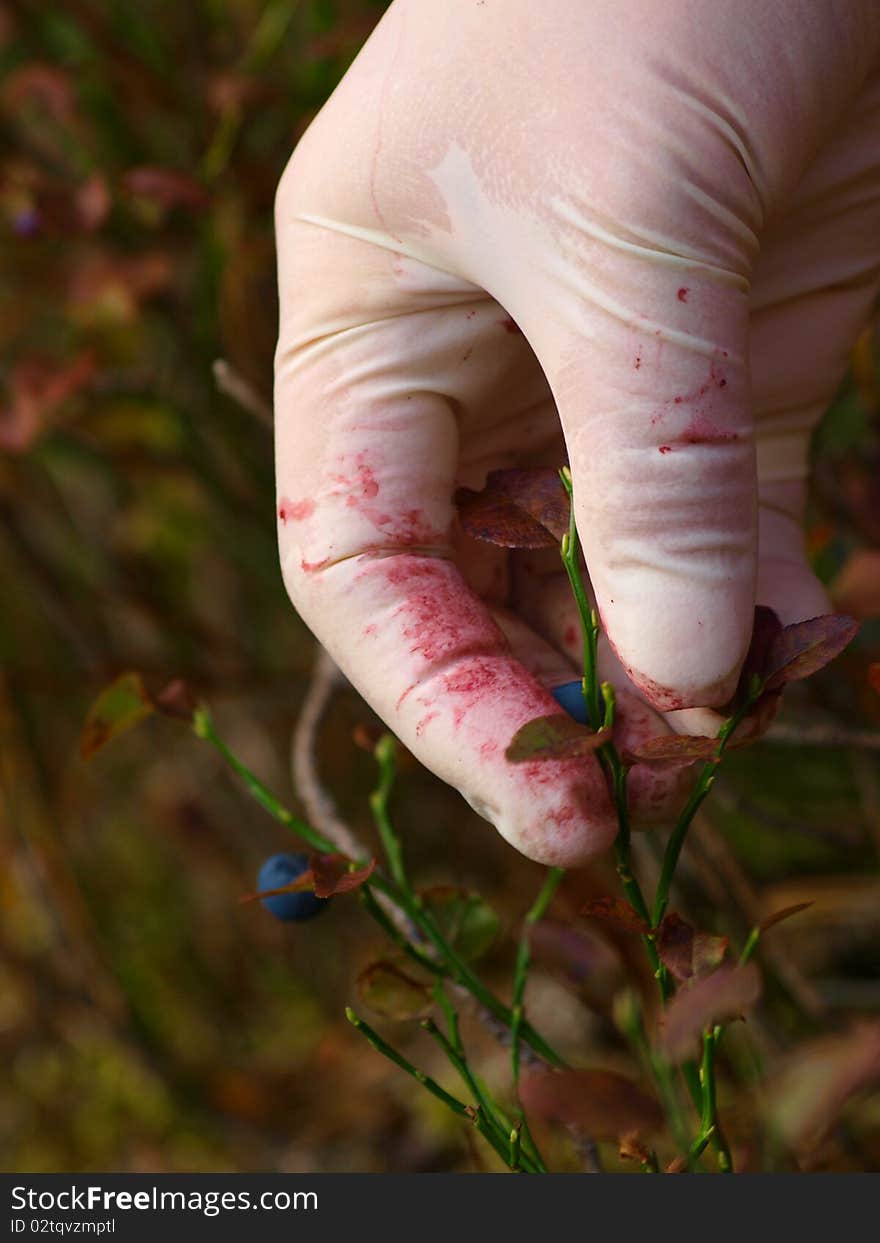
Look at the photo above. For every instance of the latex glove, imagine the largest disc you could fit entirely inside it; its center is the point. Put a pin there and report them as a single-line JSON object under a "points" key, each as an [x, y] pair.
{"points": [[654, 223]]}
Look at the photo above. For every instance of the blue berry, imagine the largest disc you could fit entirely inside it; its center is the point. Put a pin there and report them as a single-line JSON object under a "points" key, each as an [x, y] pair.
{"points": [[279, 870], [570, 696]]}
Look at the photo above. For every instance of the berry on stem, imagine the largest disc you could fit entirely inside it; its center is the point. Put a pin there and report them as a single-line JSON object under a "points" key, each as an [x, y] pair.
{"points": [[278, 871]]}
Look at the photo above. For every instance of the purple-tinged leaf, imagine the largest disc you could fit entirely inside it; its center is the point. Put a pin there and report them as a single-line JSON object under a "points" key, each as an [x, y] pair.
{"points": [[801, 650], [727, 993], [687, 953]]}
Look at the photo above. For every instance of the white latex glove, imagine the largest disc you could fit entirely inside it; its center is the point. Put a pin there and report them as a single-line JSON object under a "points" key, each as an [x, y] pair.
{"points": [[654, 223]]}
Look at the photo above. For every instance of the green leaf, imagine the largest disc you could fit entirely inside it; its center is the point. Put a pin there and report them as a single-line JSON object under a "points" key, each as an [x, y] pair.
{"points": [[392, 992], [465, 919], [119, 707]]}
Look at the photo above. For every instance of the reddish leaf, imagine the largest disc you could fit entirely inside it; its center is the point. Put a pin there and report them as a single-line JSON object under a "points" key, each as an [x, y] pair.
{"points": [[516, 509], [539, 493], [672, 750], [725, 994], [687, 953], [617, 912], [118, 708], [496, 520], [331, 874], [393, 992], [554, 737], [785, 913], [165, 187], [809, 1094], [601, 1103], [803, 649], [765, 633]]}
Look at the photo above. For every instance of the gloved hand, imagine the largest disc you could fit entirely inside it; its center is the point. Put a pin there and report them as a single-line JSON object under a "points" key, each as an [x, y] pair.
{"points": [[654, 226]]}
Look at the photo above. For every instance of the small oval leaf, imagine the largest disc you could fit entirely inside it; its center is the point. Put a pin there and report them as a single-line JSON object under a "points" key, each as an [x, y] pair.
{"points": [[616, 912], [332, 874], [496, 520], [803, 649], [554, 737], [727, 993], [686, 952], [465, 919], [601, 1103], [118, 708], [392, 992], [668, 750]]}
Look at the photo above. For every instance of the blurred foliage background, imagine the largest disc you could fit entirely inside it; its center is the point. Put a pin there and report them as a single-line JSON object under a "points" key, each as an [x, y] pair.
{"points": [[148, 1020]]}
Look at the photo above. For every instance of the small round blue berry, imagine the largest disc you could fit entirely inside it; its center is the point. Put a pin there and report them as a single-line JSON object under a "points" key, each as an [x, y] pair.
{"points": [[280, 870], [570, 696]]}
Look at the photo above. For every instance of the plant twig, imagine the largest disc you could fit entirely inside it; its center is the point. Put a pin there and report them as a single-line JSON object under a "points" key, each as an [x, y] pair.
{"points": [[241, 391]]}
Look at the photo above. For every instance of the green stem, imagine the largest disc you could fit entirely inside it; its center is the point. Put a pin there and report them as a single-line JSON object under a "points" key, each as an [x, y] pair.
{"points": [[523, 958], [374, 910], [570, 549], [203, 727], [381, 1046], [410, 903], [710, 1127], [701, 790], [516, 1153], [497, 1135], [391, 844]]}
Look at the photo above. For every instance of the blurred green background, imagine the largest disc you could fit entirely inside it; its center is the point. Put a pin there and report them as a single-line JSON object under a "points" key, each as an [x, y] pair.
{"points": [[148, 1020]]}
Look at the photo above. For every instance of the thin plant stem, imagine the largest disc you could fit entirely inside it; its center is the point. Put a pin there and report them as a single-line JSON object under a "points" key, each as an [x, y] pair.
{"points": [[387, 1050], [391, 844], [203, 727], [701, 790], [523, 959], [410, 903], [473, 1115], [494, 1131]]}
